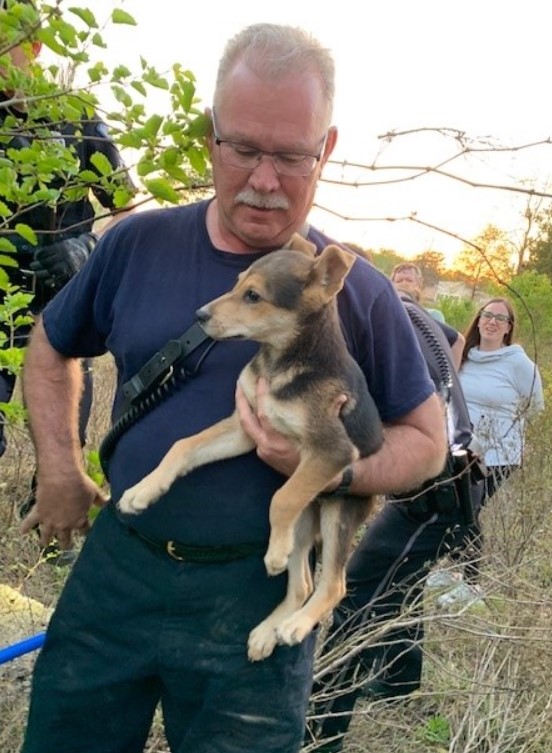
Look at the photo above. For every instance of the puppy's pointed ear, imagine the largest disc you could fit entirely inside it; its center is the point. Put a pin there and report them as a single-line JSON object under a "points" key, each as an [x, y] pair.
{"points": [[332, 267], [298, 243]]}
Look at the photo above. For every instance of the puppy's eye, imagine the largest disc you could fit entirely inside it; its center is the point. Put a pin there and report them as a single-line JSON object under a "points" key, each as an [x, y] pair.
{"points": [[251, 296]]}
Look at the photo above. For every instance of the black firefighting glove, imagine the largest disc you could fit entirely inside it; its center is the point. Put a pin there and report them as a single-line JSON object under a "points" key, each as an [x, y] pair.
{"points": [[56, 264]]}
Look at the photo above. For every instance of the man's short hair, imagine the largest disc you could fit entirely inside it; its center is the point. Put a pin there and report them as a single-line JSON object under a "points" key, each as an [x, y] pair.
{"points": [[404, 266]]}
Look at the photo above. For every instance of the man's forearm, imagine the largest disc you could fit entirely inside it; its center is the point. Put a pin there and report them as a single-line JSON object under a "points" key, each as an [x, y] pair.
{"points": [[52, 387], [395, 468], [411, 454]]}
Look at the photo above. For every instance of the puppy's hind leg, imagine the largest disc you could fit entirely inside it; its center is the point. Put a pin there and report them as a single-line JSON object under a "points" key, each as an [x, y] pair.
{"points": [[339, 520], [313, 473], [263, 638]]}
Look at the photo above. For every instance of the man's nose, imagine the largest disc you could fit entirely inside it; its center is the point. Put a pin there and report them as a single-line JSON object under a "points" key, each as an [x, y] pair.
{"points": [[264, 177]]}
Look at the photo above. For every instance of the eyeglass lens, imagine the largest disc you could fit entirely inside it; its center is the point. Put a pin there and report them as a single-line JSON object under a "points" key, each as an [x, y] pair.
{"points": [[499, 317]]}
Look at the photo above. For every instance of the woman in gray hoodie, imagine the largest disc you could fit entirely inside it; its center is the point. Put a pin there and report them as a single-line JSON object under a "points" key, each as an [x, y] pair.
{"points": [[502, 387]]}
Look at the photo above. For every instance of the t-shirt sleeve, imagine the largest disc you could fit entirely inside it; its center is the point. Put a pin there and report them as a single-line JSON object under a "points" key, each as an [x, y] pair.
{"points": [[381, 338], [77, 319]]}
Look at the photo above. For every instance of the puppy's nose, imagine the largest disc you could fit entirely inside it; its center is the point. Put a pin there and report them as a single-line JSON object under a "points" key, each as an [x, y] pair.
{"points": [[203, 314]]}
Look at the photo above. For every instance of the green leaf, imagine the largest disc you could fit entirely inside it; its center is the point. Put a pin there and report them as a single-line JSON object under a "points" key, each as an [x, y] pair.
{"points": [[122, 196], [197, 161], [6, 245], [121, 95], [86, 15], [120, 71], [7, 261], [67, 33], [169, 157], [139, 86], [145, 167], [97, 71], [186, 97], [199, 127], [152, 125], [154, 79], [178, 174], [27, 233], [120, 16], [101, 163], [162, 190], [97, 41], [47, 37], [131, 140], [88, 176]]}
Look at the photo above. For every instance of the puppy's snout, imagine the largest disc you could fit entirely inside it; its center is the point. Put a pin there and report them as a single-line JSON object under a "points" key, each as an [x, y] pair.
{"points": [[203, 314]]}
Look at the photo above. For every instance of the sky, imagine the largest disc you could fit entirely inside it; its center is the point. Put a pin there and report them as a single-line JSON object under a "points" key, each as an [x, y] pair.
{"points": [[479, 67]]}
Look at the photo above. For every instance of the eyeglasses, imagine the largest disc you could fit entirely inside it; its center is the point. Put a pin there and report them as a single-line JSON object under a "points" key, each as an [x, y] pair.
{"points": [[488, 315], [246, 157]]}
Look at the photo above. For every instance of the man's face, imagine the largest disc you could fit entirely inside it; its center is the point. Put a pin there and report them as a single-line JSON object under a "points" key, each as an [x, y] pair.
{"points": [[22, 57], [407, 278], [260, 208]]}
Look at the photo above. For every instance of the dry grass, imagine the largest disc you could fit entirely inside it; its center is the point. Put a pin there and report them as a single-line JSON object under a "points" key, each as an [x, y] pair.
{"points": [[488, 673], [487, 685]]}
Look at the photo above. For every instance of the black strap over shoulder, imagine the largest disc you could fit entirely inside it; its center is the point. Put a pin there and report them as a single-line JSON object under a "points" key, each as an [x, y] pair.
{"points": [[158, 379], [160, 366], [437, 353]]}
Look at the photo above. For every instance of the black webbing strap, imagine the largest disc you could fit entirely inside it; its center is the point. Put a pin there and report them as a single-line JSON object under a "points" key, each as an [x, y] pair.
{"points": [[165, 372], [159, 367]]}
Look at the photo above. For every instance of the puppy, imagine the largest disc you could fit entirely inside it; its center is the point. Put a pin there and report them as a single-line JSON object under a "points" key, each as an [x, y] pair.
{"points": [[317, 396]]}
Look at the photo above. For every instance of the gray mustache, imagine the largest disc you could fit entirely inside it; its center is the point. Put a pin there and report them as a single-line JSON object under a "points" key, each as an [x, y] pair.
{"points": [[261, 201]]}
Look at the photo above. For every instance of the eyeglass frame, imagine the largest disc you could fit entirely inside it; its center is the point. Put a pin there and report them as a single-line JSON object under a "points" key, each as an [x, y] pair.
{"points": [[260, 153], [500, 318]]}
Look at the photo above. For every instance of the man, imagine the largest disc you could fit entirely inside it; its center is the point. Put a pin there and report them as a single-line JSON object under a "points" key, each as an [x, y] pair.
{"points": [[408, 276], [389, 567], [135, 625], [64, 230]]}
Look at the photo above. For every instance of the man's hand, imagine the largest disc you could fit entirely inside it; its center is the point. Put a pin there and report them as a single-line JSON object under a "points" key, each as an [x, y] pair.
{"points": [[273, 448], [62, 505], [58, 263]]}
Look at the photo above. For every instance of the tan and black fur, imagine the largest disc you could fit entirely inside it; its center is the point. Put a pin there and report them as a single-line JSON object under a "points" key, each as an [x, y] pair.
{"points": [[317, 396]]}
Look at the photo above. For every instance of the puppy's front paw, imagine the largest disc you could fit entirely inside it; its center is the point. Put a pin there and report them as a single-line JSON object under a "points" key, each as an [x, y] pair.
{"points": [[294, 629], [277, 555], [262, 641], [138, 498], [275, 562]]}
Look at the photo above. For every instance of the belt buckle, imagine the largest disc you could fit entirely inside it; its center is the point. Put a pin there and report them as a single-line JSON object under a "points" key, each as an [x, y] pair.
{"points": [[171, 551]]}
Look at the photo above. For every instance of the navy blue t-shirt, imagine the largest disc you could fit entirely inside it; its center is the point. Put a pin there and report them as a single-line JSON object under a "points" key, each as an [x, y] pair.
{"points": [[140, 288]]}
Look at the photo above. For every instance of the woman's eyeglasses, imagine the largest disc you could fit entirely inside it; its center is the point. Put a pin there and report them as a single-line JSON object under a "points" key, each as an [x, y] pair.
{"points": [[488, 315]]}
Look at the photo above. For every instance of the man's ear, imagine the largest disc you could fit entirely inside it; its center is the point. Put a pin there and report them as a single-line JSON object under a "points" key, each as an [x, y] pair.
{"points": [[36, 46], [208, 112], [331, 141]]}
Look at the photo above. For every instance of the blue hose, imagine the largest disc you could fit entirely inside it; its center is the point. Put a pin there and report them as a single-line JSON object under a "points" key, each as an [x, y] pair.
{"points": [[22, 647]]}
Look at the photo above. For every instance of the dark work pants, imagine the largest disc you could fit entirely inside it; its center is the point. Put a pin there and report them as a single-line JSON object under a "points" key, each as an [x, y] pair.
{"points": [[134, 627], [385, 577]]}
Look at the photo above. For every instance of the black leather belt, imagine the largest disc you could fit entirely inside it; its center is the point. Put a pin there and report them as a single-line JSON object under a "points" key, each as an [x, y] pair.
{"points": [[202, 554]]}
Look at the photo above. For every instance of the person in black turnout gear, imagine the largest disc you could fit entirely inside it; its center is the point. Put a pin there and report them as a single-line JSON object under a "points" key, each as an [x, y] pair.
{"points": [[64, 230], [54, 265], [387, 571]]}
